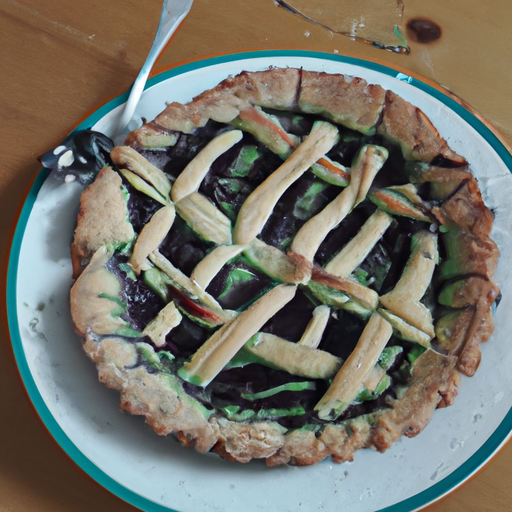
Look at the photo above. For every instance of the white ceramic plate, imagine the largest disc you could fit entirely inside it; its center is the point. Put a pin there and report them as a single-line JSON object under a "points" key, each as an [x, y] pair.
{"points": [[157, 474]]}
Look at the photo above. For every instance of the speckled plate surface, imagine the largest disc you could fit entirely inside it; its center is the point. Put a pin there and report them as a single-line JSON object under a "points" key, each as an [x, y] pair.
{"points": [[156, 474]]}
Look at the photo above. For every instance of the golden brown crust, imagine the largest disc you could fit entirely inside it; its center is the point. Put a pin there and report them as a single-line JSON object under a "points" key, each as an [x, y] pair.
{"points": [[245, 441], [432, 378], [161, 399], [412, 129], [345, 440], [166, 410], [443, 181], [349, 101], [300, 448], [466, 208], [469, 254], [275, 88], [157, 396], [471, 291], [460, 333], [91, 309], [102, 219]]}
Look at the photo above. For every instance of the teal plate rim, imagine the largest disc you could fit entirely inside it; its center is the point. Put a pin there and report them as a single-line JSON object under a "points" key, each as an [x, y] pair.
{"points": [[445, 486]]}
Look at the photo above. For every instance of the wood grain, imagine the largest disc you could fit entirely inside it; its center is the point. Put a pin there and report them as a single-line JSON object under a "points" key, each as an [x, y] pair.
{"points": [[60, 60]]}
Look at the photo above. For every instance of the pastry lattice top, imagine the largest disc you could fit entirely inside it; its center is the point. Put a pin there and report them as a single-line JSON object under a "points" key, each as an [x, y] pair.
{"points": [[399, 311]]}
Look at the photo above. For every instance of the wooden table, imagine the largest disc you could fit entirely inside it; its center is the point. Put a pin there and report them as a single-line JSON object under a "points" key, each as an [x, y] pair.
{"points": [[59, 60]]}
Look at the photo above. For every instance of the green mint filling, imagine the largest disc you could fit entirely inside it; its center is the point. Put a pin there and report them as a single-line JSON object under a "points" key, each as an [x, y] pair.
{"points": [[186, 376], [366, 394], [290, 386], [236, 277], [284, 245], [337, 299], [309, 427], [455, 263], [384, 384], [121, 303], [124, 267], [123, 247], [307, 205], [328, 296], [158, 282], [158, 360], [234, 186], [363, 277], [242, 165], [449, 292], [149, 355], [165, 356], [389, 355], [243, 357], [279, 413], [228, 210], [127, 332], [232, 413], [415, 352]]}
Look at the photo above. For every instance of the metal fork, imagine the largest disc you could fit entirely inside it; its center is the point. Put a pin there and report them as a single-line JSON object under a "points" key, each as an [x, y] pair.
{"points": [[173, 13]]}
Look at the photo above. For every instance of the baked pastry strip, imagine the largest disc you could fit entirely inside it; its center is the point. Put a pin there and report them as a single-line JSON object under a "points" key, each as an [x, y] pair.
{"points": [[356, 251], [259, 205], [151, 236], [191, 177], [368, 163], [349, 379], [404, 299], [312, 336], [127, 157], [213, 356]]}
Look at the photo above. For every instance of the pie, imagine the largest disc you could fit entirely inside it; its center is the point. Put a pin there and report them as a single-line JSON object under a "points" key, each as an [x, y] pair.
{"points": [[293, 266]]}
